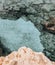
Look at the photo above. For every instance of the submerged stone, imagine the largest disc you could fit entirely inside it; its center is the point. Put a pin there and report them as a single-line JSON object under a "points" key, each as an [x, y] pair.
{"points": [[15, 34]]}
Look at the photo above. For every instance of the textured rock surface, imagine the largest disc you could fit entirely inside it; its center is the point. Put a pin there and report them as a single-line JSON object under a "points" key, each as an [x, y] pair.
{"points": [[25, 56], [35, 10]]}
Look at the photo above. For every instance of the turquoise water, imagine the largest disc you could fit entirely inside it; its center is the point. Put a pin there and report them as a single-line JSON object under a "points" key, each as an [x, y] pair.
{"points": [[19, 33]]}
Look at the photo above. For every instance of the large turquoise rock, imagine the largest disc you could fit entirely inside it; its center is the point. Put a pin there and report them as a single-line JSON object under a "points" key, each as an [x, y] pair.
{"points": [[15, 34]]}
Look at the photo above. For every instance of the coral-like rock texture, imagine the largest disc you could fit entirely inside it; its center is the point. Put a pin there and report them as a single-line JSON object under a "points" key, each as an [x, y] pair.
{"points": [[25, 56], [50, 26]]}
